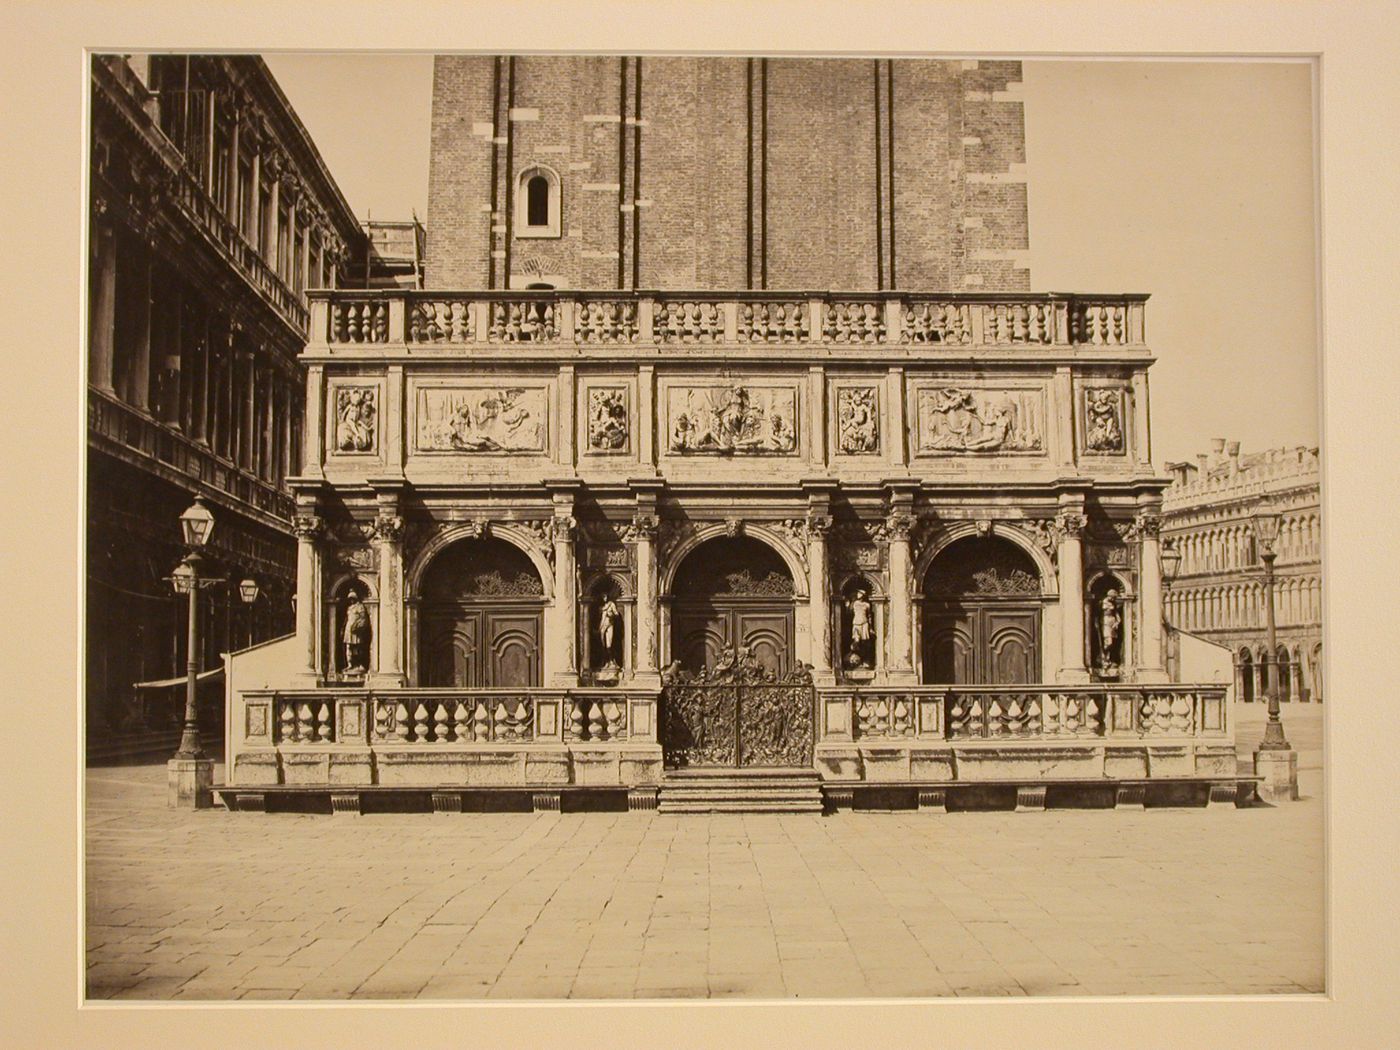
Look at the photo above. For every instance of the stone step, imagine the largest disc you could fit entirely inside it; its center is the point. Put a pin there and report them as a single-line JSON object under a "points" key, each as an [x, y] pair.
{"points": [[740, 806]]}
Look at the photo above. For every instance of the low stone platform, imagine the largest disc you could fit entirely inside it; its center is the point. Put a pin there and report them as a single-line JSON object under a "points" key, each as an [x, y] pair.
{"points": [[741, 791]]}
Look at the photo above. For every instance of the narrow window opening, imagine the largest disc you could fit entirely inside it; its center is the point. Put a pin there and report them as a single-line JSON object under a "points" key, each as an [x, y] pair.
{"points": [[537, 201]]}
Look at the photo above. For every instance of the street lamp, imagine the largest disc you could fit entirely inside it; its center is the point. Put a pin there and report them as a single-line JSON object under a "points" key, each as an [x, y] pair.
{"points": [[1266, 528], [1171, 563], [190, 770], [248, 592]]}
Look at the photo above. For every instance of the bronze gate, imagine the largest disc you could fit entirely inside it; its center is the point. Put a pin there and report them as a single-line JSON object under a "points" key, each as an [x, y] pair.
{"points": [[738, 714]]}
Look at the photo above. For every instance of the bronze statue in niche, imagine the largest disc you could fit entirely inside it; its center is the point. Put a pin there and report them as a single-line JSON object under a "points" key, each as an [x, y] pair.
{"points": [[858, 634], [1108, 633], [355, 634]]}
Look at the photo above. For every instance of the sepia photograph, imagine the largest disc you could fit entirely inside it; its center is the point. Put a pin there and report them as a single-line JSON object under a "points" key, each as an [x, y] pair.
{"points": [[701, 526]]}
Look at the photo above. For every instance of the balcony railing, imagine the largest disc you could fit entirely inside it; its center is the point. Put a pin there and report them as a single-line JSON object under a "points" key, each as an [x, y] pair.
{"points": [[447, 717], [409, 320], [1023, 712], [965, 714]]}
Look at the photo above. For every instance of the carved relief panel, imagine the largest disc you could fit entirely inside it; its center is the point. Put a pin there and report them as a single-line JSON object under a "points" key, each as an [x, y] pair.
{"points": [[353, 416], [857, 420], [499, 419], [606, 421], [1103, 412], [736, 418], [954, 419]]}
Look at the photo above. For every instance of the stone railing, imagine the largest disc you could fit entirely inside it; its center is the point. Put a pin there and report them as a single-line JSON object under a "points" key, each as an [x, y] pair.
{"points": [[439, 717], [407, 319], [1029, 712]]}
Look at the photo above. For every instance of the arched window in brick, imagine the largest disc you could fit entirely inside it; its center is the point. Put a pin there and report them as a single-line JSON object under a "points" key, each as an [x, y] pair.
{"points": [[538, 207]]}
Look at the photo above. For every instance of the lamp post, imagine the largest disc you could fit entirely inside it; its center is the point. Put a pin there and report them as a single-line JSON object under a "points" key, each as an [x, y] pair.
{"points": [[1170, 560], [1274, 759], [248, 592], [190, 772]]}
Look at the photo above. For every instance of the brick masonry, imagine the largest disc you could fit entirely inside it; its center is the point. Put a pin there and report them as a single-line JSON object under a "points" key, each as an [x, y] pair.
{"points": [[731, 173]]}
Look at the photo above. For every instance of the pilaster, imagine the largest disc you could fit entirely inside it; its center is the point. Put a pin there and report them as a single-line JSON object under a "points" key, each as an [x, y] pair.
{"points": [[1147, 527], [1070, 562], [560, 662], [900, 636], [388, 537]]}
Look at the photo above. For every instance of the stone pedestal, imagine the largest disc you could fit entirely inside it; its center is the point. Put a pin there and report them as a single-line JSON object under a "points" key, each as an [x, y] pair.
{"points": [[190, 783], [1280, 772]]}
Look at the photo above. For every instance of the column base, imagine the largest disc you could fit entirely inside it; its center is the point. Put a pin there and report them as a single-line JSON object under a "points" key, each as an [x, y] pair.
{"points": [[190, 783], [1280, 772]]}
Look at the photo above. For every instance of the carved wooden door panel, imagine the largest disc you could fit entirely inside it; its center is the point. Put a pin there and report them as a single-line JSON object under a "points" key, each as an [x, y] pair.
{"points": [[452, 648], [699, 634], [982, 644], [1008, 653], [767, 631], [514, 648]]}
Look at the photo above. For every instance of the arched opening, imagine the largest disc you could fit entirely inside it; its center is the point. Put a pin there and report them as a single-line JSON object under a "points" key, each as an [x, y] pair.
{"points": [[1285, 677], [537, 201], [1108, 626], [607, 627], [537, 204], [482, 617], [1246, 671], [981, 614], [732, 592]]}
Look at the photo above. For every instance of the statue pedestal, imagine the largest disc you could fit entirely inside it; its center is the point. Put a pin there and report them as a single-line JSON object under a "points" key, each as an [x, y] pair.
{"points": [[190, 783], [1280, 772]]}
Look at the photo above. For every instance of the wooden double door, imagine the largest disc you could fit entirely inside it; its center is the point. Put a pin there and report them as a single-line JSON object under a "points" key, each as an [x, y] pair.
{"points": [[481, 646], [701, 629], [981, 643]]}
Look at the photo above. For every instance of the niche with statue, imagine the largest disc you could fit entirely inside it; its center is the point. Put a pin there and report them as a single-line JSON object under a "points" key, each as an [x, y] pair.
{"points": [[354, 630], [858, 642], [604, 642], [1107, 612]]}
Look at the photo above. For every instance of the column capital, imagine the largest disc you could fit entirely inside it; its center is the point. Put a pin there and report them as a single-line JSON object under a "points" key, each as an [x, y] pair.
{"points": [[1071, 523], [388, 528], [308, 526]]}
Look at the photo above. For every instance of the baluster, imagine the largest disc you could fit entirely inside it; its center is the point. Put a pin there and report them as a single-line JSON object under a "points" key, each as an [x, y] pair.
{"points": [[576, 719], [383, 717], [481, 721], [288, 719], [420, 722], [401, 723], [323, 722], [597, 725], [440, 722], [501, 728], [461, 721], [305, 726], [457, 331], [614, 722]]}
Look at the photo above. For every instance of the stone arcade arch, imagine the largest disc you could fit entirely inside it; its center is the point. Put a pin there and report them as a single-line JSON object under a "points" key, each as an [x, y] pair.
{"points": [[982, 598], [481, 604], [729, 592]]}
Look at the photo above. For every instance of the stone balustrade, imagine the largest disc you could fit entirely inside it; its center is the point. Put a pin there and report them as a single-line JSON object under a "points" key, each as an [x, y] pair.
{"points": [[434, 717], [403, 320], [1023, 712]]}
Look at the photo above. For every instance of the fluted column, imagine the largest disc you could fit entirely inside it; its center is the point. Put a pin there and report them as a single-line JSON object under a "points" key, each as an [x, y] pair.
{"points": [[102, 309], [643, 534], [819, 597], [308, 529], [1070, 560], [388, 537], [901, 606], [1151, 667], [560, 667]]}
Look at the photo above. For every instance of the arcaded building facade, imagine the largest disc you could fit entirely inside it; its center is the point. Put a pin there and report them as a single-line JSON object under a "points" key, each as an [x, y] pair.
{"points": [[725, 460], [1220, 593]]}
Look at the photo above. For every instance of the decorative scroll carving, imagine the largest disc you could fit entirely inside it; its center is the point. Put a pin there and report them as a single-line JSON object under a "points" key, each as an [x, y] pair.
{"points": [[541, 530], [496, 419], [858, 420], [356, 416], [737, 713], [1045, 533], [732, 419], [389, 529], [854, 323], [953, 419], [1103, 419], [607, 419], [496, 583], [308, 526]]}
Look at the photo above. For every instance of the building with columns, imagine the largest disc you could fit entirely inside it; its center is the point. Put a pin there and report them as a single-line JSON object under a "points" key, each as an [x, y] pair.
{"points": [[725, 461], [212, 215], [1219, 593]]}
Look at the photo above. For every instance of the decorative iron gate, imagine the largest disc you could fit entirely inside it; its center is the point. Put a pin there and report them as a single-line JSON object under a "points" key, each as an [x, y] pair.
{"points": [[738, 713]]}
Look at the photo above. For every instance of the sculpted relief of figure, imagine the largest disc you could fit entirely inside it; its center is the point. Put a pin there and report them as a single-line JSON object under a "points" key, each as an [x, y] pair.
{"points": [[731, 419], [857, 420], [607, 419], [510, 419], [1103, 420], [952, 419], [860, 643], [354, 429]]}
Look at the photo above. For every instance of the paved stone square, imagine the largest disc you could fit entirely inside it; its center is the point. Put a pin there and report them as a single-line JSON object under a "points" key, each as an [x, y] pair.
{"points": [[216, 906]]}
